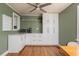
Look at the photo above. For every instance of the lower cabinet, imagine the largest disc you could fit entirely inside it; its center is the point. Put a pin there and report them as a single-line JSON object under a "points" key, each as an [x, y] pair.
{"points": [[23, 39], [18, 41], [15, 43], [40, 39]]}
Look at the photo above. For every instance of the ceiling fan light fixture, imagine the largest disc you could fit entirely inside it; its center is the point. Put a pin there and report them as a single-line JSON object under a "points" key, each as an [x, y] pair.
{"points": [[39, 7]]}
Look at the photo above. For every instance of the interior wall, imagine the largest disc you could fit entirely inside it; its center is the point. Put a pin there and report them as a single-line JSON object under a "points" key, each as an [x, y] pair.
{"points": [[34, 22], [4, 9], [68, 24]]}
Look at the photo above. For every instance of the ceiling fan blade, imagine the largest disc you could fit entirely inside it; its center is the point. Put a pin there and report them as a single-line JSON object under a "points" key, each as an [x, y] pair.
{"points": [[37, 3], [43, 10], [44, 5], [33, 9], [32, 5]]}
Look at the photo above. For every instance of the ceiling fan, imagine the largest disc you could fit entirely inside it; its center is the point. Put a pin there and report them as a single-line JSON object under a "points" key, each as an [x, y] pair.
{"points": [[39, 6]]}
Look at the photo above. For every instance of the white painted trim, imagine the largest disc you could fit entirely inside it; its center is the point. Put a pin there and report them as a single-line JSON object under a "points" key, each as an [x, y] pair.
{"points": [[13, 8], [77, 23], [4, 53], [58, 28], [30, 14]]}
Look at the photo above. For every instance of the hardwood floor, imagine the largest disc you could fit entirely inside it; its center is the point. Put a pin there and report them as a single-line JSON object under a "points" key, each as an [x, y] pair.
{"points": [[38, 51]]}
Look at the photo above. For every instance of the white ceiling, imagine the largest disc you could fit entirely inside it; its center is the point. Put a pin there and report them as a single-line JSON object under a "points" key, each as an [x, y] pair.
{"points": [[24, 9]]}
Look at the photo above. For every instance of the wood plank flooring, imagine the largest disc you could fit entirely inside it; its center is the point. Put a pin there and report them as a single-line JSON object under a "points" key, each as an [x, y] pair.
{"points": [[38, 51]]}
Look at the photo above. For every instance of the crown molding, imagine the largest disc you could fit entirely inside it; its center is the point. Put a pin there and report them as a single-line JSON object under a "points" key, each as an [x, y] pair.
{"points": [[62, 9], [30, 14], [13, 8]]}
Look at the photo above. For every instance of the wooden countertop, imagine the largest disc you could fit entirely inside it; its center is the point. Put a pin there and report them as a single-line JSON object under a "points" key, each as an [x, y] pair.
{"points": [[71, 50]]}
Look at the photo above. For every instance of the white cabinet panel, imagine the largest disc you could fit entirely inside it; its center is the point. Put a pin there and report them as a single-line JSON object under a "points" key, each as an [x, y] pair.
{"points": [[23, 39], [41, 39], [10, 23], [28, 39], [15, 43], [78, 23], [50, 26], [16, 22], [6, 23], [50, 23]]}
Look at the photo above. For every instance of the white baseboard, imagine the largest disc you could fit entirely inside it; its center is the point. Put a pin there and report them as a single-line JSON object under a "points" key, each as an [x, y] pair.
{"points": [[4, 53]]}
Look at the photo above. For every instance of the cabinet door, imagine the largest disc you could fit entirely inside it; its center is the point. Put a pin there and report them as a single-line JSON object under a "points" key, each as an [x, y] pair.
{"points": [[6, 23], [16, 22], [35, 39], [23, 39], [50, 23], [50, 26], [28, 39], [45, 24], [14, 43]]}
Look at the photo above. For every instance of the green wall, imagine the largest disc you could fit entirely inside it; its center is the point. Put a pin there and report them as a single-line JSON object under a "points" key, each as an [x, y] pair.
{"points": [[32, 22], [68, 24], [4, 9]]}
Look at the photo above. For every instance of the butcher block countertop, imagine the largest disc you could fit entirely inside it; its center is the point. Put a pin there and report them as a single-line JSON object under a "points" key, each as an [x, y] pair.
{"points": [[70, 50]]}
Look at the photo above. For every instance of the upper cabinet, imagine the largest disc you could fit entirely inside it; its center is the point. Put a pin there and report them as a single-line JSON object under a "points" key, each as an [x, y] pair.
{"points": [[16, 22], [10, 23], [6, 23], [50, 23], [51, 27]]}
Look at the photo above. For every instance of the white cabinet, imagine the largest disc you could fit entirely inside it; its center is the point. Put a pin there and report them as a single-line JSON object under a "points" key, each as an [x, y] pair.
{"points": [[23, 39], [6, 23], [41, 39], [15, 43], [10, 23], [35, 39], [50, 23], [18, 41], [50, 26], [28, 39], [16, 22]]}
